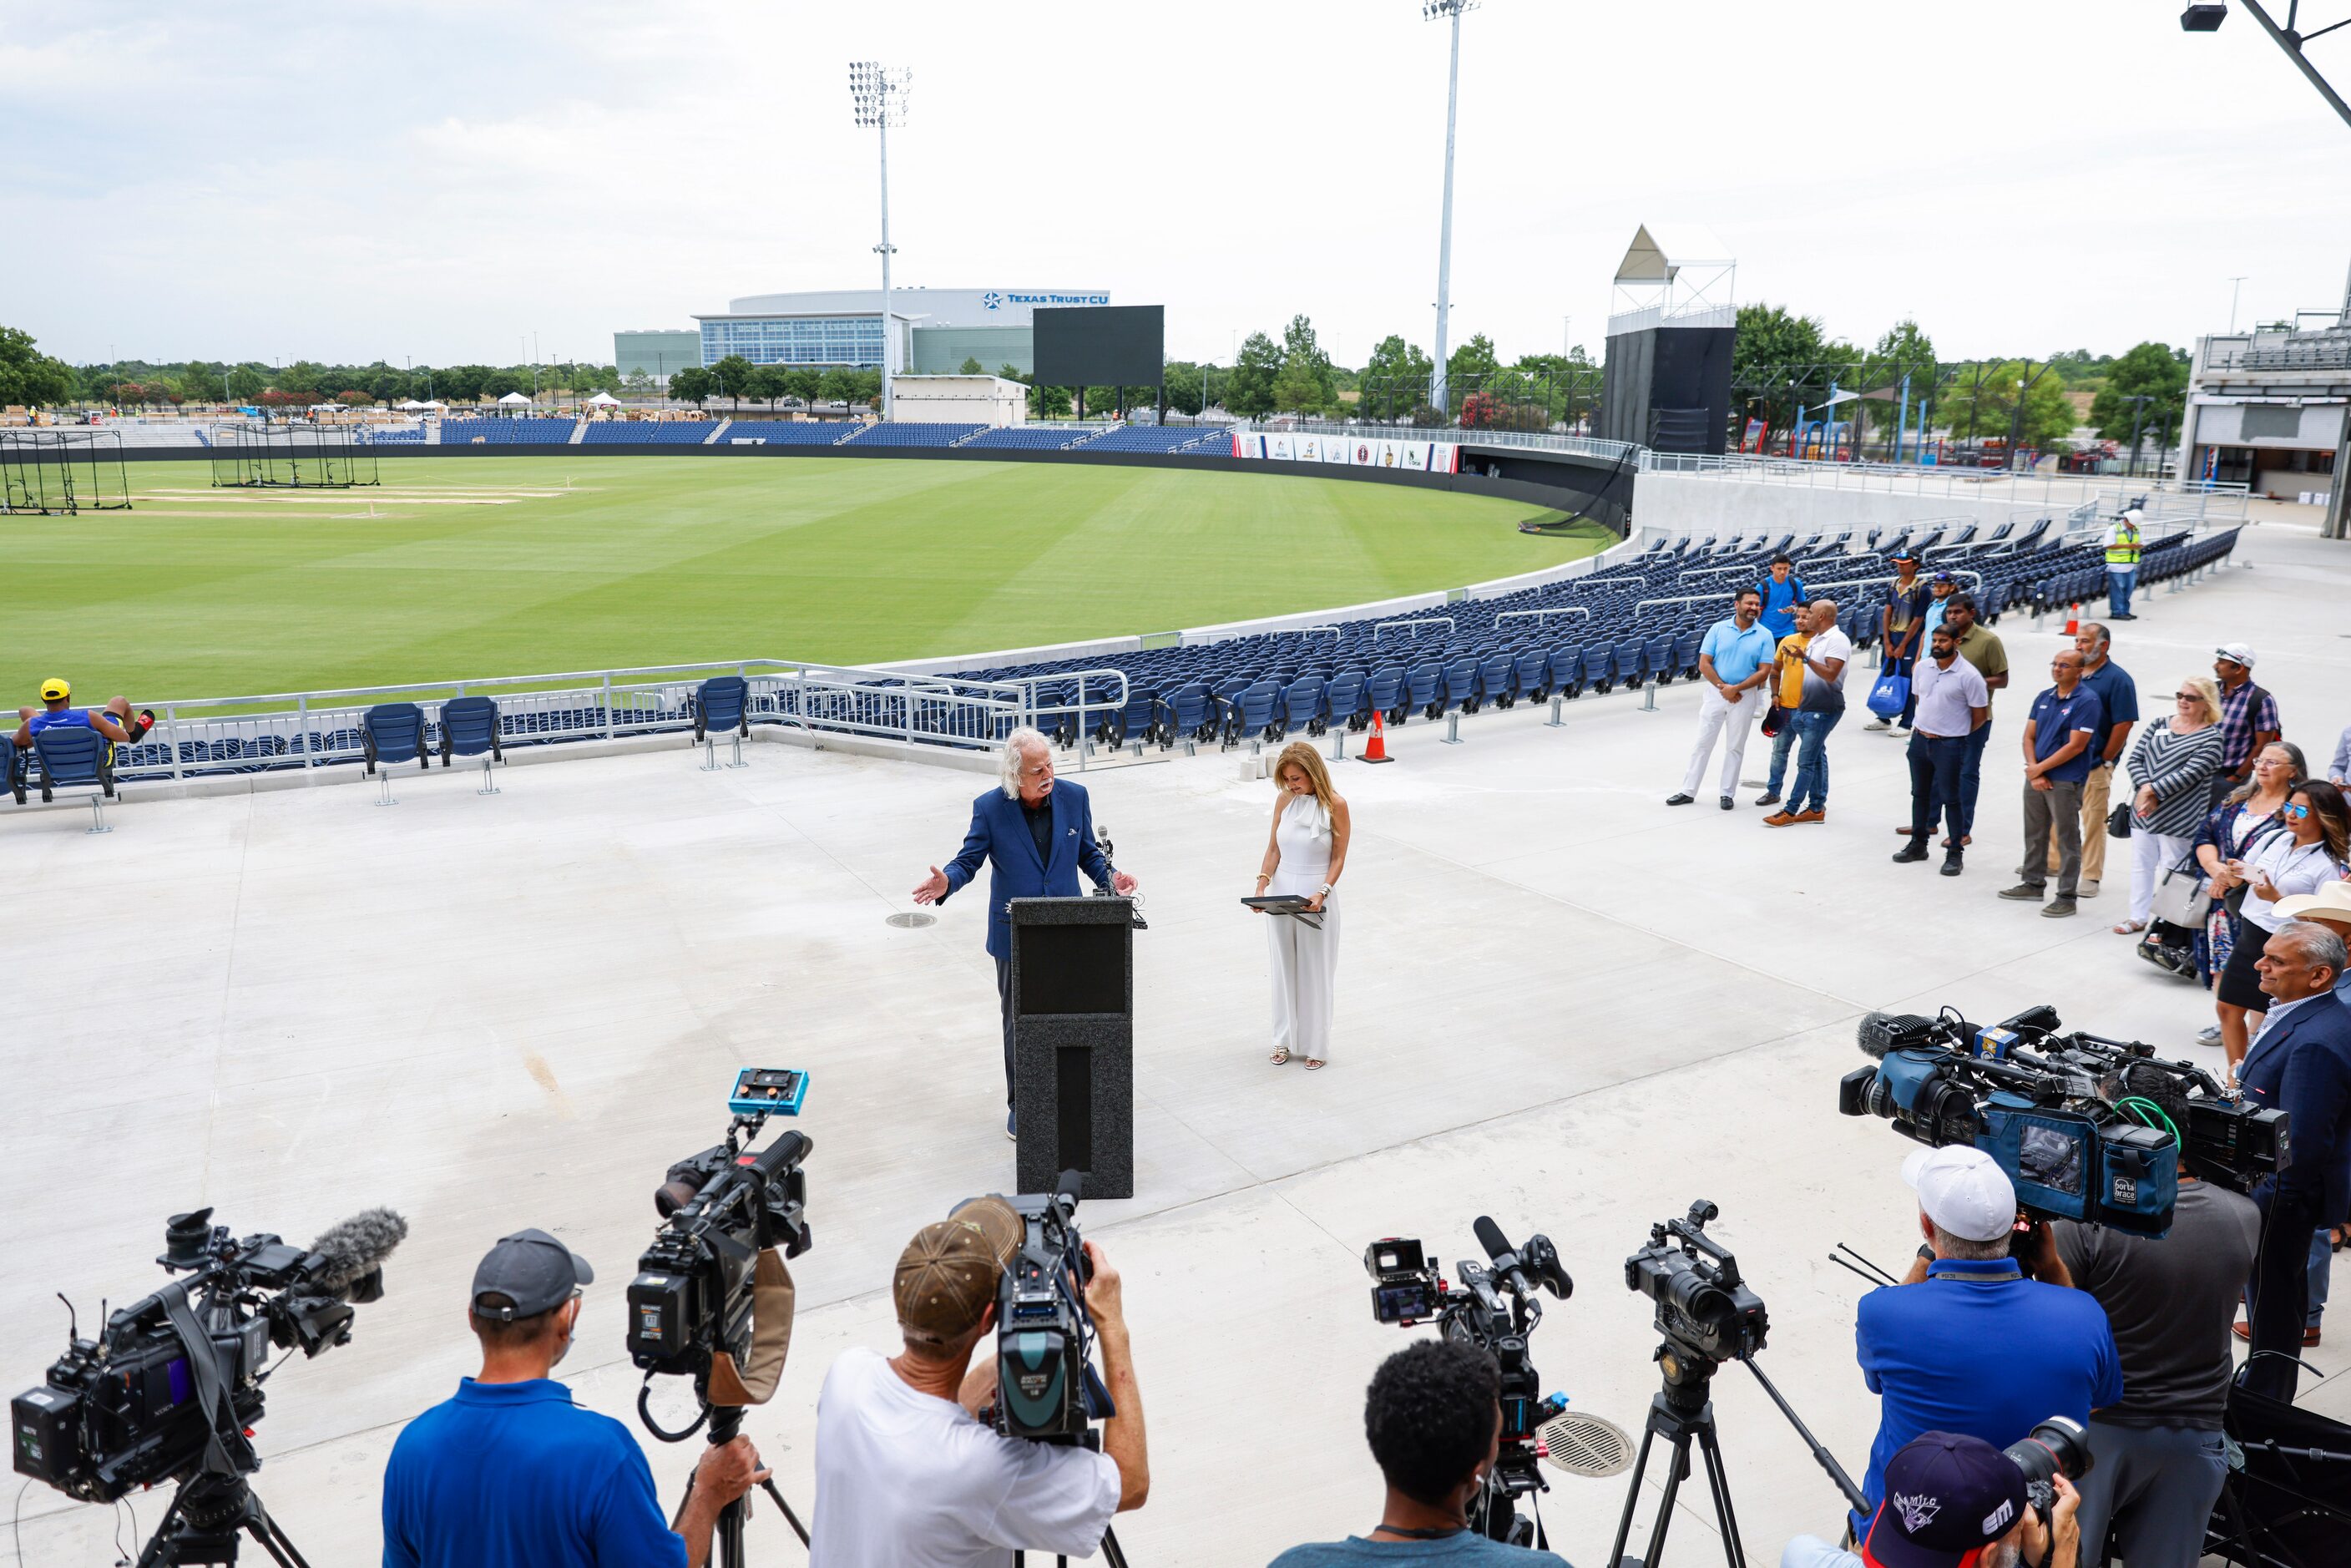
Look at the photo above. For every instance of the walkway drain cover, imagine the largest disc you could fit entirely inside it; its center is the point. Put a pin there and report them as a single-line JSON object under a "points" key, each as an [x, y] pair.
{"points": [[913, 922]]}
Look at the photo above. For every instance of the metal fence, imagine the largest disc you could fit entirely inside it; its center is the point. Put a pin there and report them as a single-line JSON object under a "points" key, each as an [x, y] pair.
{"points": [[210, 737]]}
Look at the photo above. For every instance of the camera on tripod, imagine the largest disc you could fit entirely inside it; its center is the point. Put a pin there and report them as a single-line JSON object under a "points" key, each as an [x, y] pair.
{"points": [[1046, 1387], [711, 1299], [2045, 1119], [173, 1383], [1496, 1309], [1704, 1308]]}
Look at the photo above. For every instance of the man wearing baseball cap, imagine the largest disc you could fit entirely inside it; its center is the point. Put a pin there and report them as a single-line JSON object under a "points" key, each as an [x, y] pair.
{"points": [[114, 721], [2249, 716], [907, 1476], [1967, 1343], [512, 1472], [1954, 1501]]}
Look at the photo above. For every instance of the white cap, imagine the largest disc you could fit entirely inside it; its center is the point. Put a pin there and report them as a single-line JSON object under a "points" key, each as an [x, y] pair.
{"points": [[1963, 1190]]}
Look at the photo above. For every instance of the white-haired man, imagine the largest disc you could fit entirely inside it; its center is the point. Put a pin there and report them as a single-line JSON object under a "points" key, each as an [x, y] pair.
{"points": [[1035, 836]]}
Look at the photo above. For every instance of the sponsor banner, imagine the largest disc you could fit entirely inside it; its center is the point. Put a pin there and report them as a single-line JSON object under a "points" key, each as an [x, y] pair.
{"points": [[1282, 447], [1310, 448], [1365, 452], [1413, 454]]}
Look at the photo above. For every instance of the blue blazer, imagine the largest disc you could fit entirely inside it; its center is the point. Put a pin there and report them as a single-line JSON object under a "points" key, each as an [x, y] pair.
{"points": [[999, 835], [2302, 1067]]}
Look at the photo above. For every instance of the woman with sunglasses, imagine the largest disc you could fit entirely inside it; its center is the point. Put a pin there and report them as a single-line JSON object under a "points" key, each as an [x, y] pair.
{"points": [[2173, 766], [2309, 852], [2234, 832]]}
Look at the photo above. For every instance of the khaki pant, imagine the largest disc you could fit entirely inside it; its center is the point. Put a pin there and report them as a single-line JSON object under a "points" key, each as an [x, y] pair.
{"points": [[2095, 807]]}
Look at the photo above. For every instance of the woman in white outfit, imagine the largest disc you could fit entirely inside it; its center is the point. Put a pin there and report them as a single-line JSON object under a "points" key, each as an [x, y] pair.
{"points": [[1304, 857], [2172, 764]]}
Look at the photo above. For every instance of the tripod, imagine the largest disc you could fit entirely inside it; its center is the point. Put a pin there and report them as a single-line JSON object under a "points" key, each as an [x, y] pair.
{"points": [[1682, 1412], [725, 1421], [204, 1520]]}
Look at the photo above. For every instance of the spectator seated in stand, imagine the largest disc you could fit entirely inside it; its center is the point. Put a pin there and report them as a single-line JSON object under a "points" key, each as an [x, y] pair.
{"points": [[114, 721]]}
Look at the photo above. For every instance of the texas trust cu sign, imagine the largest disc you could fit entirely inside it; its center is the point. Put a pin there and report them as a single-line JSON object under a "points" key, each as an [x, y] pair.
{"points": [[995, 299]]}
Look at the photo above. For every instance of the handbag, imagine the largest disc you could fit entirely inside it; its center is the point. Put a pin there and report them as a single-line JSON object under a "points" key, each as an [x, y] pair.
{"points": [[2119, 821], [1890, 696], [2180, 898]]}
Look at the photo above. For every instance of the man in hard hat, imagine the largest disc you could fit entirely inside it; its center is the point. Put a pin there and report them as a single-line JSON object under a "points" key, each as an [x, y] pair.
{"points": [[2122, 564], [114, 721]]}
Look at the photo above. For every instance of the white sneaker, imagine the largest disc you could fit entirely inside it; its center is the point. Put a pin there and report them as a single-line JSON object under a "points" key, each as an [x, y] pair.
{"points": [[1878, 724], [2209, 1035], [2086, 889]]}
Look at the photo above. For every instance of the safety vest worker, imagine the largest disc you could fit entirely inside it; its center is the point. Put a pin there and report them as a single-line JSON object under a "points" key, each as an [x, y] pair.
{"points": [[2122, 543]]}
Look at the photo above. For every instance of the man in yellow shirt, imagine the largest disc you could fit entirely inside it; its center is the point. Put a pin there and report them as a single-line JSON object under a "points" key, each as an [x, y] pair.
{"points": [[1787, 696]]}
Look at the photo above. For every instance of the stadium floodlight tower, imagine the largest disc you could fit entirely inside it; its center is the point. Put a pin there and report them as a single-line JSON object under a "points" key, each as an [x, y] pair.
{"points": [[878, 92], [1430, 10]]}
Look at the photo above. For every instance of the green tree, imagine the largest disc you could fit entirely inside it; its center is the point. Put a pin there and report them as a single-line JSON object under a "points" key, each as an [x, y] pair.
{"points": [[1296, 389], [970, 367], [1468, 368], [245, 383], [691, 385], [1395, 381], [733, 374], [1902, 349], [803, 382], [2156, 371], [29, 378], [2009, 399], [1249, 391], [1182, 379], [1308, 368], [766, 383]]}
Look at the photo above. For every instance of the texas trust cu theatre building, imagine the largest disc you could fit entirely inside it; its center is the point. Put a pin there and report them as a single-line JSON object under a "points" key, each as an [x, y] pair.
{"points": [[933, 331]]}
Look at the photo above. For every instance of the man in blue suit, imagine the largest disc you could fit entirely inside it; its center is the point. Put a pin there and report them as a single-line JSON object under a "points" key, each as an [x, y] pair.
{"points": [[1036, 836], [2300, 1064]]}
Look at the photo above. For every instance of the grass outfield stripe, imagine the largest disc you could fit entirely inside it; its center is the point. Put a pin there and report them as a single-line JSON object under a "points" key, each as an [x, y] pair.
{"points": [[674, 559]]}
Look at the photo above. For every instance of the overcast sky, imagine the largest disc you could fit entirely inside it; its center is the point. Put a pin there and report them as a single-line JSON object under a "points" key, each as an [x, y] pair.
{"points": [[345, 183]]}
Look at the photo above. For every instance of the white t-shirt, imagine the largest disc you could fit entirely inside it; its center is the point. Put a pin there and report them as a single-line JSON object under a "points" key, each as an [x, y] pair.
{"points": [[908, 1480]]}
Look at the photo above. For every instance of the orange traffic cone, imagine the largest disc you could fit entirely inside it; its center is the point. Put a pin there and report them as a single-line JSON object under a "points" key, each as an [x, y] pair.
{"points": [[2074, 619], [1377, 751]]}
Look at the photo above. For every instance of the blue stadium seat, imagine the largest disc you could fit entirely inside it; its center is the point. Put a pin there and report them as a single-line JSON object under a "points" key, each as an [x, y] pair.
{"points": [[1146, 438], [910, 432], [648, 432], [1496, 681], [1029, 437], [1532, 674], [1254, 714], [1424, 688], [1567, 669], [75, 759], [1186, 715], [536, 431], [469, 727], [788, 433], [1343, 701], [1302, 705], [1384, 691], [1599, 668], [722, 702], [392, 733]]}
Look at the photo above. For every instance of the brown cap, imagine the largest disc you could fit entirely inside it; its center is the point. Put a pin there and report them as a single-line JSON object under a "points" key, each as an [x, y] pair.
{"points": [[947, 1275]]}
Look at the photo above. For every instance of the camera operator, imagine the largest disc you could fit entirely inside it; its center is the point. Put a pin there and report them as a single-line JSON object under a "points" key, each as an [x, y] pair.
{"points": [[1434, 1418], [511, 1471], [1954, 1499], [2159, 1454], [1967, 1343], [907, 1477]]}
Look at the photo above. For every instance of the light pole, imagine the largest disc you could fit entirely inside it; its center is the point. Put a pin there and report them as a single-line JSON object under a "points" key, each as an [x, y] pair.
{"points": [[2236, 286], [879, 94], [1451, 11]]}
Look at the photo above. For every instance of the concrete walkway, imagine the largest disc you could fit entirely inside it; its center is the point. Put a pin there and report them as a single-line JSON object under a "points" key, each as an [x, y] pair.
{"points": [[1562, 1005]]}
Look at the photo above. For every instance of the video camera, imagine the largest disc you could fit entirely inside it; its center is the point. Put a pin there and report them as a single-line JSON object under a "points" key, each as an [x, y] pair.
{"points": [[1704, 1308], [2044, 1119], [1046, 1387], [1497, 1309], [711, 1299], [173, 1385]]}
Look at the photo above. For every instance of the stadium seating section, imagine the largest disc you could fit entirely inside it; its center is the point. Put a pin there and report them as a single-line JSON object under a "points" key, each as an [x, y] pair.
{"points": [[910, 432], [531, 431], [1162, 438], [1629, 624], [788, 433], [1033, 437], [648, 433]]}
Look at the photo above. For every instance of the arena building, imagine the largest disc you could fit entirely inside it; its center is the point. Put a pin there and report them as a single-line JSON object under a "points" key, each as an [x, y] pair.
{"points": [[935, 330]]}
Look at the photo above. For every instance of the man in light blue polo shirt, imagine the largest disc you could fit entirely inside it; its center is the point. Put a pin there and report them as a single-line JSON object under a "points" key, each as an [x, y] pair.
{"points": [[1734, 661]]}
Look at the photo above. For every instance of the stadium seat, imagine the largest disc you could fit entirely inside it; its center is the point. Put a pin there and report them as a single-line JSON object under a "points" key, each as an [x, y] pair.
{"points": [[75, 759], [390, 733], [1186, 715], [1254, 717], [648, 432], [1424, 685], [1383, 691], [1302, 705], [469, 727], [1343, 701], [1531, 672], [721, 703], [1498, 680]]}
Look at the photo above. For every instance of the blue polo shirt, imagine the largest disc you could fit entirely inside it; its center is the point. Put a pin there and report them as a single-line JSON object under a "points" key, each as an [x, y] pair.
{"points": [[62, 718], [514, 1474], [2117, 696], [1978, 1348], [2054, 720], [1737, 655], [1780, 602]]}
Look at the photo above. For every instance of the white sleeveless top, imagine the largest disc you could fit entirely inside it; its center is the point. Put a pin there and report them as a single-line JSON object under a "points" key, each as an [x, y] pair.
{"points": [[1303, 837]]}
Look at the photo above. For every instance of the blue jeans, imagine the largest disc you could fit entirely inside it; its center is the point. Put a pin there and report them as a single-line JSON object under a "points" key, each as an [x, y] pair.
{"points": [[1781, 744], [2118, 589], [1971, 775], [1935, 764], [1812, 730], [2321, 1263]]}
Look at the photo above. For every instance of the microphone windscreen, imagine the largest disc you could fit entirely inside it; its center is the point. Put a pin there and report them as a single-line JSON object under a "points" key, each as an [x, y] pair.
{"points": [[353, 1247], [1489, 1236]]}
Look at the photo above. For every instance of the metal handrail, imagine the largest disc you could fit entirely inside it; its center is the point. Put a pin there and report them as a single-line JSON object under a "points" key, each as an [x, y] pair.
{"points": [[1538, 614], [1444, 621], [1685, 599], [1334, 631]]}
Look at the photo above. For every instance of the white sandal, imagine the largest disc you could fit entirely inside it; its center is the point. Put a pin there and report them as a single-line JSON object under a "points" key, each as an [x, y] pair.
{"points": [[1281, 1057], [2130, 927]]}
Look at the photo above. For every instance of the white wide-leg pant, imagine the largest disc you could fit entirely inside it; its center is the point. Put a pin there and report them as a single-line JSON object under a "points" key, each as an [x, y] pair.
{"points": [[1732, 721], [2152, 854], [1305, 967]]}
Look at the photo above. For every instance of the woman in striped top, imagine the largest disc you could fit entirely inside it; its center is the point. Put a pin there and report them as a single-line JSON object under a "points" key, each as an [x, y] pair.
{"points": [[2172, 767]]}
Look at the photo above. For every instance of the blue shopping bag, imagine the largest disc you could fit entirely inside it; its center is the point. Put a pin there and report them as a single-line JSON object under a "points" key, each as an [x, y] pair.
{"points": [[1890, 696]]}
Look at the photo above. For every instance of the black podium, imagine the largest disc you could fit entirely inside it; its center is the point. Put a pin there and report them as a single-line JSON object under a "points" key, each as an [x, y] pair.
{"points": [[1073, 1041]]}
